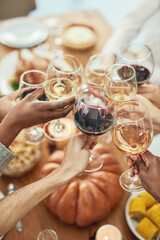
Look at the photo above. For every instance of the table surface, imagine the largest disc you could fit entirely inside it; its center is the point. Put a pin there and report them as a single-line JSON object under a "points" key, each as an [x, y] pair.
{"points": [[40, 217]]}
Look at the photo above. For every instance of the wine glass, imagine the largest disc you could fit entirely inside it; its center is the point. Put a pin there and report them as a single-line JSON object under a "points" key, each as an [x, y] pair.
{"points": [[120, 84], [31, 80], [95, 70], [55, 28], [47, 234], [93, 116], [140, 56], [61, 83], [132, 133], [79, 70]]}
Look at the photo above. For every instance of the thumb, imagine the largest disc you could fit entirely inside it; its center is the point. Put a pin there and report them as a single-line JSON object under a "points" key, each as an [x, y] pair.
{"points": [[37, 93]]}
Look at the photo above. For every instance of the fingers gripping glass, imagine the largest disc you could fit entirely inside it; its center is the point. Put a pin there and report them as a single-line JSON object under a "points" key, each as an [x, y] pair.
{"points": [[93, 116], [132, 133], [30, 81], [61, 83]]}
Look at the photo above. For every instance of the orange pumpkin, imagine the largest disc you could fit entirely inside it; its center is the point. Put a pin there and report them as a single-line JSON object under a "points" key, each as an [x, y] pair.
{"points": [[87, 198]]}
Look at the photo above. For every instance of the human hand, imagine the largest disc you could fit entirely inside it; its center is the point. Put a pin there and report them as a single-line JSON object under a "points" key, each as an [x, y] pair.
{"points": [[7, 103], [29, 111], [148, 167], [76, 155], [154, 112], [151, 92], [109, 59]]}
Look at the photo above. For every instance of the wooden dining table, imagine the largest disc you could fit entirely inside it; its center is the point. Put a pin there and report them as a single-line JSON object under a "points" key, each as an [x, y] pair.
{"points": [[40, 217]]}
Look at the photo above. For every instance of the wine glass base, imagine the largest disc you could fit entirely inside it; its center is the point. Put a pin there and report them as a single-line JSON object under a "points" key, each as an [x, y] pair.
{"points": [[95, 162], [58, 133], [34, 135], [130, 184]]}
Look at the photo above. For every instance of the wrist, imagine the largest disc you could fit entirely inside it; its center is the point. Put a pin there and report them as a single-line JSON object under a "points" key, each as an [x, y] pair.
{"points": [[8, 131], [60, 177]]}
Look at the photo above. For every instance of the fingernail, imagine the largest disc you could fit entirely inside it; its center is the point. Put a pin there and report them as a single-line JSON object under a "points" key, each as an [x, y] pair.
{"points": [[134, 158]]}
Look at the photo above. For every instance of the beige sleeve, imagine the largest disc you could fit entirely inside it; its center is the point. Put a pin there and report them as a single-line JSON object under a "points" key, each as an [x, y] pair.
{"points": [[6, 155], [130, 25]]}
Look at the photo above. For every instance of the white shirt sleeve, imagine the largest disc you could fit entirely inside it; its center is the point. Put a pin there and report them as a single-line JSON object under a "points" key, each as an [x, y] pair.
{"points": [[6, 155], [130, 25]]}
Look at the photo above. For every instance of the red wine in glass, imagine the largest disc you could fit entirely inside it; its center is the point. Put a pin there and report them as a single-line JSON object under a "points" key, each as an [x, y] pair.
{"points": [[93, 121], [25, 93], [142, 73]]}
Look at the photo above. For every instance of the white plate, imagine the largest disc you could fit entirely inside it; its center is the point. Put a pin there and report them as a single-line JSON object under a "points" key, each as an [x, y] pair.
{"points": [[131, 222], [22, 32]]}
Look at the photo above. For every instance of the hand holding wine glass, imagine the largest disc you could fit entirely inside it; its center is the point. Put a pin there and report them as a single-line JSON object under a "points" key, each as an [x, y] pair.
{"points": [[132, 133], [148, 168], [139, 56], [30, 111]]}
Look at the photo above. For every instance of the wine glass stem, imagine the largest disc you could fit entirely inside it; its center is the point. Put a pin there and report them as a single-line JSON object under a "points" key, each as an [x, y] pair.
{"points": [[58, 126]]}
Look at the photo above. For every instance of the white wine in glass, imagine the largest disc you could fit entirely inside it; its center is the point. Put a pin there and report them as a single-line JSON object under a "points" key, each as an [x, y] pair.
{"points": [[120, 84], [132, 133]]}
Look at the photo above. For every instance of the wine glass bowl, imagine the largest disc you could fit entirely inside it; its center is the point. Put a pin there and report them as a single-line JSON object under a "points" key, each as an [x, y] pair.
{"points": [[140, 56], [79, 69], [132, 133], [93, 114], [95, 70], [120, 84]]}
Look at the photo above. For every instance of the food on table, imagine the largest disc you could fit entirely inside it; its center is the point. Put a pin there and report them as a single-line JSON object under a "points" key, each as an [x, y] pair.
{"points": [[137, 208], [90, 197], [148, 199], [146, 211], [27, 157], [154, 214], [27, 60], [147, 229], [79, 36]]}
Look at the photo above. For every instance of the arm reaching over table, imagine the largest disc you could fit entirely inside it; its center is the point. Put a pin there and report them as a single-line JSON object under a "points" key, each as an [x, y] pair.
{"points": [[23, 200]]}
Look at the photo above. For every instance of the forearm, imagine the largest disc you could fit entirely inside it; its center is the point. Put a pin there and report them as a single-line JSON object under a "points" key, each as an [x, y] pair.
{"points": [[24, 199]]}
